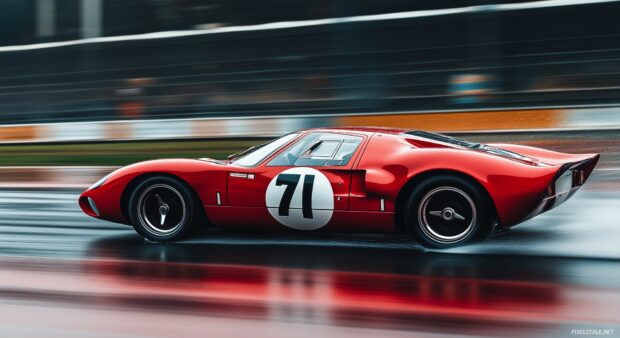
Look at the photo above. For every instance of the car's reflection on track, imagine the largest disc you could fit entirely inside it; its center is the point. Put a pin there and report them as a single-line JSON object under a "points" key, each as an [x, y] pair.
{"points": [[360, 287]]}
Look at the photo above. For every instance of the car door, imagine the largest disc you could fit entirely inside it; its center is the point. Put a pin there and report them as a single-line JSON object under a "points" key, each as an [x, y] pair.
{"points": [[301, 186]]}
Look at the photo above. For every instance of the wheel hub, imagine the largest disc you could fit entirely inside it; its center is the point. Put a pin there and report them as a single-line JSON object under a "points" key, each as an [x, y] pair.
{"points": [[447, 214]]}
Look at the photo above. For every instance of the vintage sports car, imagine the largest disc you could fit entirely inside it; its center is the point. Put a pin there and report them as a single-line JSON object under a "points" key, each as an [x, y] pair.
{"points": [[441, 190]]}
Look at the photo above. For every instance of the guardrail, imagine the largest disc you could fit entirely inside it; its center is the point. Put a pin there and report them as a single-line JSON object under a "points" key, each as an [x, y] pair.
{"points": [[522, 120]]}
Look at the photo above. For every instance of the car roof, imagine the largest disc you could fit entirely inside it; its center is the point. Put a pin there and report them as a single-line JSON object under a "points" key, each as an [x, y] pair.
{"points": [[363, 130]]}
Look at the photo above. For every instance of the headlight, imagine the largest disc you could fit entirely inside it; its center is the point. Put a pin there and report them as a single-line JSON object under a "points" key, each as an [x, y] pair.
{"points": [[100, 182]]}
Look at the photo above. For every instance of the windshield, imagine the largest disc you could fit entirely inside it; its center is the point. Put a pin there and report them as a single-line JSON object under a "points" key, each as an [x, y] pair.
{"points": [[256, 154]]}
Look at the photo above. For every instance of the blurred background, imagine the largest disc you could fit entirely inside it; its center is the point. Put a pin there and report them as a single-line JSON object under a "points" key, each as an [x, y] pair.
{"points": [[89, 85], [227, 58]]}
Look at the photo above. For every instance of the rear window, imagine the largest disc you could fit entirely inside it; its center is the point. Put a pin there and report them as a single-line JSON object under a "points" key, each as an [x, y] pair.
{"points": [[464, 143], [443, 138]]}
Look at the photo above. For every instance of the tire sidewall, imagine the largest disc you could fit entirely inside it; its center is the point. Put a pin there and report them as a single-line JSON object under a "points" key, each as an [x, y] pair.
{"points": [[185, 193], [412, 206]]}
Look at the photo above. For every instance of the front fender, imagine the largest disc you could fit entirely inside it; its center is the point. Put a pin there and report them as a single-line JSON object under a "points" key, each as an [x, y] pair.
{"points": [[205, 178]]}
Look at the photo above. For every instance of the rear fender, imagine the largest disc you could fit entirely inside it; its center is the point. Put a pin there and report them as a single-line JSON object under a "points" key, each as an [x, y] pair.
{"points": [[515, 188]]}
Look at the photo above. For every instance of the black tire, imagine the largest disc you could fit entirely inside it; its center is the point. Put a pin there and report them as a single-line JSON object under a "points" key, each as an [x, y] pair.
{"points": [[446, 210], [162, 209]]}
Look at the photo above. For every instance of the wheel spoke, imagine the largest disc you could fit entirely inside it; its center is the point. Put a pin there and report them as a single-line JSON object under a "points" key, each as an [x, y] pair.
{"points": [[435, 213], [159, 200], [458, 216]]}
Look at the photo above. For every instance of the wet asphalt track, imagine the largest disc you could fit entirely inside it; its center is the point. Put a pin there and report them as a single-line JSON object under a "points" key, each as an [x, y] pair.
{"points": [[49, 223], [63, 274]]}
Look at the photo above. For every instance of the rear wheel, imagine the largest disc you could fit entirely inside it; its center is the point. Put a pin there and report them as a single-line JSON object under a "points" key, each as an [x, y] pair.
{"points": [[162, 209], [445, 211]]}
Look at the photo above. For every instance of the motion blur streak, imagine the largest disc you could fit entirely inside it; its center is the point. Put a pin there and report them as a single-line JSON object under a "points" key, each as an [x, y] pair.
{"points": [[317, 57], [306, 23]]}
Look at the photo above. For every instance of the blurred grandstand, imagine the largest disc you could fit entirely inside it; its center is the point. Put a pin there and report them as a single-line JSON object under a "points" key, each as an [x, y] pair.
{"points": [[89, 60]]}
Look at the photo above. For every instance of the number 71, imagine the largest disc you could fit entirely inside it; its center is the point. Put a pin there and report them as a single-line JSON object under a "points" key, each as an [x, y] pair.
{"points": [[291, 181]]}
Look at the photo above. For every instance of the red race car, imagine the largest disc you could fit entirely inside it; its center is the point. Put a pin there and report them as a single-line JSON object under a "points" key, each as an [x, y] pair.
{"points": [[441, 190]]}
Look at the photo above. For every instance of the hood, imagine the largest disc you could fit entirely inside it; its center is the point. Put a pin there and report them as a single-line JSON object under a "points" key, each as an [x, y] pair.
{"points": [[214, 161], [172, 165]]}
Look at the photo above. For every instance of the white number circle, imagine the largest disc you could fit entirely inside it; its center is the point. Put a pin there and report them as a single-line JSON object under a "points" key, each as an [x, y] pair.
{"points": [[300, 198]]}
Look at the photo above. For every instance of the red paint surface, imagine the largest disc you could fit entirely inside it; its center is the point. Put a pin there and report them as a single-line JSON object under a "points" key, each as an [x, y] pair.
{"points": [[382, 165]]}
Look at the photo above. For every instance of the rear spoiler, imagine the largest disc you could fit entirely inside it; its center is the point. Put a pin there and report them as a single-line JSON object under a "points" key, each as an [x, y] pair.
{"points": [[568, 179], [581, 170]]}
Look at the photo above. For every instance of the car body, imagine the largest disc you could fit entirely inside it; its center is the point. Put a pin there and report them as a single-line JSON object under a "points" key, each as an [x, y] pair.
{"points": [[361, 179]]}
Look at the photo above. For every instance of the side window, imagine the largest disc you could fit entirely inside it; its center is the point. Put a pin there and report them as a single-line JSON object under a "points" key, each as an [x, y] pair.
{"points": [[323, 149], [319, 149], [346, 151]]}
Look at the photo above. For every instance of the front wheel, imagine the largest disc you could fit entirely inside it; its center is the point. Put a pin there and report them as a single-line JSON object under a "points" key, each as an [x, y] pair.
{"points": [[445, 211], [161, 209]]}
